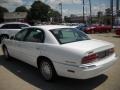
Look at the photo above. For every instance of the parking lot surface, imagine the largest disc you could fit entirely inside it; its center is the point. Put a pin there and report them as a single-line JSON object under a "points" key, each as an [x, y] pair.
{"points": [[16, 75]]}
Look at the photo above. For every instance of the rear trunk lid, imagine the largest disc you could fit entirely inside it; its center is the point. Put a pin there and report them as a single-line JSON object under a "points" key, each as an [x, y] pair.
{"points": [[89, 46]]}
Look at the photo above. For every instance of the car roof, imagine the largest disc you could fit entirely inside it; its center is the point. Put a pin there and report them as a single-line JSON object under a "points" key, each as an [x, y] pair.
{"points": [[13, 23], [51, 27]]}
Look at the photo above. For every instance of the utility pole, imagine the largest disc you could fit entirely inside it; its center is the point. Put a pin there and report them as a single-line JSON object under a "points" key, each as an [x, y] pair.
{"points": [[90, 12], [111, 5], [83, 11], [117, 11], [117, 7], [60, 4]]}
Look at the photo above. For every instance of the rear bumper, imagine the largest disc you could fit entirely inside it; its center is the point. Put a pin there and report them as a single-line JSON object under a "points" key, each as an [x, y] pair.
{"points": [[86, 71], [94, 70]]}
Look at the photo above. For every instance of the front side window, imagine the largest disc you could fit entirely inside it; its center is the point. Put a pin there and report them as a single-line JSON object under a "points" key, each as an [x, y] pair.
{"points": [[36, 35], [11, 26], [21, 35], [68, 35]]}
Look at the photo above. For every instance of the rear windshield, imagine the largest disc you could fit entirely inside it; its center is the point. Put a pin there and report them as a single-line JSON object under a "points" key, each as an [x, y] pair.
{"points": [[68, 35]]}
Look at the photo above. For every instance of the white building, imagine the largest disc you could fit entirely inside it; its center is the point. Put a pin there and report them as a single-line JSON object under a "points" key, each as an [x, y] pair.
{"points": [[14, 16]]}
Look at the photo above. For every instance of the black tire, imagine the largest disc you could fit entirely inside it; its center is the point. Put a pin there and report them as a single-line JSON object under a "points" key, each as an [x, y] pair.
{"points": [[6, 53], [47, 70]]}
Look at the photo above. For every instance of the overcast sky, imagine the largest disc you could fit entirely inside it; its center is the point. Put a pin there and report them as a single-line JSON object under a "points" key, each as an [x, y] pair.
{"points": [[69, 6]]}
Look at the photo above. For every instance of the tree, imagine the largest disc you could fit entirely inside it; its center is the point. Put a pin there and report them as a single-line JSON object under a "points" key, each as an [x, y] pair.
{"points": [[100, 17], [38, 11], [21, 9], [2, 11], [100, 13], [108, 12], [55, 15], [108, 16]]}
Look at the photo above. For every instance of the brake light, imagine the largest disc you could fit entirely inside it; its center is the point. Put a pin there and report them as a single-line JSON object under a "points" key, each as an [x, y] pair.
{"points": [[89, 58]]}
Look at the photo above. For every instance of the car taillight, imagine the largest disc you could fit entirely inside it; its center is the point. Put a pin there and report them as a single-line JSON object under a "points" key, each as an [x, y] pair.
{"points": [[89, 58], [111, 50]]}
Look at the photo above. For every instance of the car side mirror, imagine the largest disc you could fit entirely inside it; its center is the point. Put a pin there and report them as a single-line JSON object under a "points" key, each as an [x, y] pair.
{"points": [[12, 37]]}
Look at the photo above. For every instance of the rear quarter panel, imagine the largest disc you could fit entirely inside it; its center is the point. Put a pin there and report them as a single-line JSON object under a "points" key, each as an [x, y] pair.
{"points": [[60, 54]]}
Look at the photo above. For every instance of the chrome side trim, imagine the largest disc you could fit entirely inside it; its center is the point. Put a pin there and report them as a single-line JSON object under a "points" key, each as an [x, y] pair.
{"points": [[87, 66], [81, 66], [67, 64]]}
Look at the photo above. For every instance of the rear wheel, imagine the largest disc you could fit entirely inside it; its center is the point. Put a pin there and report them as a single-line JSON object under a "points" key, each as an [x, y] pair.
{"points": [[47, 70], [6, 53]]}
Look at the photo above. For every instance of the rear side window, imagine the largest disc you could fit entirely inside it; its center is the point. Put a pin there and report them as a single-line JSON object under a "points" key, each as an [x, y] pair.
{"points": [[36, 35]]}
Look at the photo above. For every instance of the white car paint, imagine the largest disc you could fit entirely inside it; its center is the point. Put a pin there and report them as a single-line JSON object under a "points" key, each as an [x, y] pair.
{"points": [[10, 32], [65, 57]]}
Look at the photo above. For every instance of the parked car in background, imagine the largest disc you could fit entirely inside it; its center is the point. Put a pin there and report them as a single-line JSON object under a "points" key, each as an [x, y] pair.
{"points": [[58, 50], [117, 31], [81, 27], [10, 29], [96, 28], [90, 29], [103, 28], [108, 28]]}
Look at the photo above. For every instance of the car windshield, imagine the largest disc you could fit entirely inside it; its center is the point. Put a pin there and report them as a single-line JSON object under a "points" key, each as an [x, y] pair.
{"points": [[68, 35]]}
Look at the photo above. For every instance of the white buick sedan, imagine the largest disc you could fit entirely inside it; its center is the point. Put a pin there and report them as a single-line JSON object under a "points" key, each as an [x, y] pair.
{"points": [[60, 51]]}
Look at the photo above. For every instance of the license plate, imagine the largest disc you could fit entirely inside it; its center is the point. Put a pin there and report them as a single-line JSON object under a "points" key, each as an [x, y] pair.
{"points": [[103, 54]]}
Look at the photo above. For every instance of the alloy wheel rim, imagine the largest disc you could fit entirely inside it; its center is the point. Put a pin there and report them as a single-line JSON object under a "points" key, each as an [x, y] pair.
{"points": [[46, 70]]}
